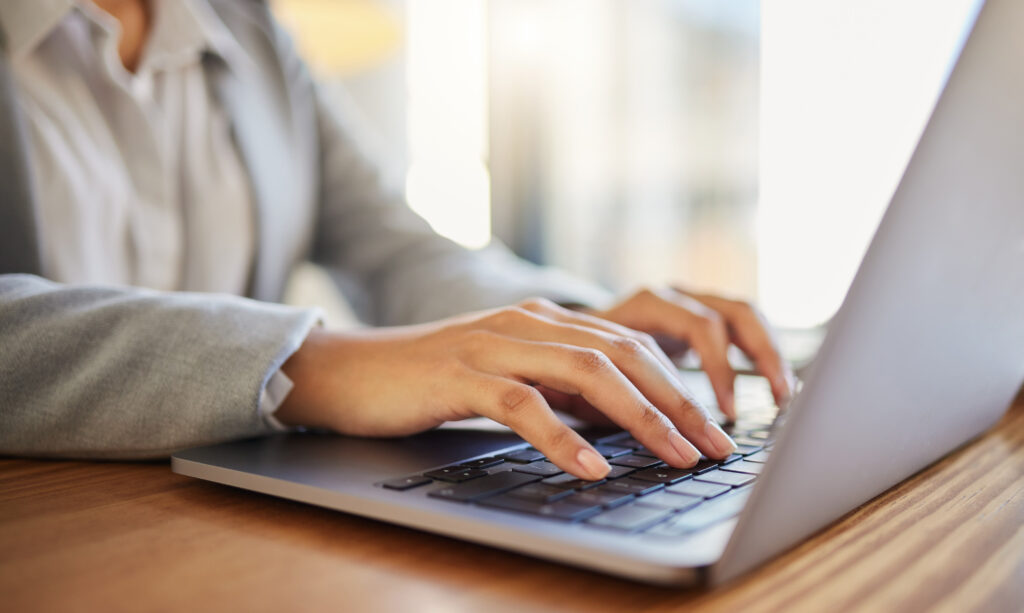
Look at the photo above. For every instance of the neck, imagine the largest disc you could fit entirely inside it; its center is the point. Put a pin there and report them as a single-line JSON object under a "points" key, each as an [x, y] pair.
{"points": [[134, 17]]}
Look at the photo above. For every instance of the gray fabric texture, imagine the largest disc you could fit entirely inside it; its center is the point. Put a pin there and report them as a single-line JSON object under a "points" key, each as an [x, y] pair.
{"points": [[131, 373], [107, 372]]}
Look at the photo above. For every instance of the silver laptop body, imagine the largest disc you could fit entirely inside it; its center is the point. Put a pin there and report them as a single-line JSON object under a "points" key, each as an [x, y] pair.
{"points": [[926, 353]]}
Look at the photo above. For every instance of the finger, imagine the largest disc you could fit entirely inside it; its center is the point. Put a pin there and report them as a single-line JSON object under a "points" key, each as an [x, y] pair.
{"points": [[674, 314], [561, 314], [522, 408], [630, 354], [632, 359], [685, 318], [594, 376], [710, 340], [751, 333]]}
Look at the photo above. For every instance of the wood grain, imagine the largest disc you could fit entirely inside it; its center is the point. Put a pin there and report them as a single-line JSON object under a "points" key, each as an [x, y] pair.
{"points": [[136, 537]]}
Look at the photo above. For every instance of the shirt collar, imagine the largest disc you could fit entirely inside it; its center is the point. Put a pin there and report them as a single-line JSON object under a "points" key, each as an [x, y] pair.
{"points": [[27, 23], [181, 29]]}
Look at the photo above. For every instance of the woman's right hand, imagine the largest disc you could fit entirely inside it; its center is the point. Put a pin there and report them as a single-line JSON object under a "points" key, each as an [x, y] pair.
{"points": [[514, 365]]}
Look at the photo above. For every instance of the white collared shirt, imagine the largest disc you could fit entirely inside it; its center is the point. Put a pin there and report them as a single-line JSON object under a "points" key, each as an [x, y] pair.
{"points": [[138, 180], [137, 176]]}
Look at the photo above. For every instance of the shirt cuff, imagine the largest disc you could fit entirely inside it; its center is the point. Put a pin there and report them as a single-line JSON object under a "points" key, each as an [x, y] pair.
{"points": [[271, 398]]}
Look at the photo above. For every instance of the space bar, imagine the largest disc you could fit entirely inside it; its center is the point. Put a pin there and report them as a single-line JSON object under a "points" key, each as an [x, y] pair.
{"points": [[484, 486]]}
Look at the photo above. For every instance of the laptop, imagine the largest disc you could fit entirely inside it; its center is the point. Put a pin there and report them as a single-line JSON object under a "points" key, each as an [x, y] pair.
{"points": [[925, 353]]}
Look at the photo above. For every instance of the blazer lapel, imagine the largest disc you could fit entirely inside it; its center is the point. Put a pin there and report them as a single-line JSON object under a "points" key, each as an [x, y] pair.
{"points": [[260, 116], [19, 239]]}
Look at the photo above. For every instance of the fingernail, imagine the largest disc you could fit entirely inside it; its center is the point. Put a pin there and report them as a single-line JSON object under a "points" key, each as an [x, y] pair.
{"points": [[687, 452], [719, 439], [592, 464]]}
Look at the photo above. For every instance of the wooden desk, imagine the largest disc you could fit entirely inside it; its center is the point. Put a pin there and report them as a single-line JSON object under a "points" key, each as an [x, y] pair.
{"points": [[113, 536]]}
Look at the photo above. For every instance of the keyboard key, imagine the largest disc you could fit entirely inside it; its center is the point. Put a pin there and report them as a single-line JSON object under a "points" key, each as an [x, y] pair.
{"points": [[663, 474], [455, 474], [540, 491], [709, 513], [698, 488], [523, 456], [544, 469], [611, 451], [559, 510], [746, 441], [484, 486], [569, 482], [667, 529], [407, 483], [760, 456], [752, 423], [705, 464], [726, 478], [483, 463], [615, 438], [630, 442], [732, 458], [601, 497], [630, 518], [619, 471], [634, 461], [706, 515], [666, 500], [747, 449], [629, 485], [750, 468], [644, 451]]}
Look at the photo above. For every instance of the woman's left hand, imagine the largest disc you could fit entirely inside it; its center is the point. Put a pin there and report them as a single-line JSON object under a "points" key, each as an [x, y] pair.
{"points": [[708, 325]]}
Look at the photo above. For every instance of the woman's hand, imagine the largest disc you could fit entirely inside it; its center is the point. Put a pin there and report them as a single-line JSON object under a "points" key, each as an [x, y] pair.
{"points": [[510, 365], [708, 325]]}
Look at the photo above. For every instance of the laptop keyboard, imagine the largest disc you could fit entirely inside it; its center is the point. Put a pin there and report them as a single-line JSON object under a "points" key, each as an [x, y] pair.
{"points": [[640, 495]]}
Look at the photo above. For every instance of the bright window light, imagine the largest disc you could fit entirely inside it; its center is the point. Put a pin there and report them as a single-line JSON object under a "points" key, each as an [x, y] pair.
{"points": [[846, 88], [446, 67]]}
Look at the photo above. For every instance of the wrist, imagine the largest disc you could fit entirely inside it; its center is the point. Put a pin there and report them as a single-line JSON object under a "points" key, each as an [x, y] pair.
{"points": [[306, 369]]}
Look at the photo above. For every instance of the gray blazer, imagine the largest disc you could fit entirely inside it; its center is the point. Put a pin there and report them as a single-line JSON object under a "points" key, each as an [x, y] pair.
{"points": [[132, 373]]}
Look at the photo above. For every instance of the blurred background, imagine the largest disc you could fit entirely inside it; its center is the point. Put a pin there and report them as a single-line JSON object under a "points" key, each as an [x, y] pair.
{"points": [[739, 147]]}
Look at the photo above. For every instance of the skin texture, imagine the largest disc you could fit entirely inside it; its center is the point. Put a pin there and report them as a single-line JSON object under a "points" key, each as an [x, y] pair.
{"points": [[518, 364], [135, 18]]}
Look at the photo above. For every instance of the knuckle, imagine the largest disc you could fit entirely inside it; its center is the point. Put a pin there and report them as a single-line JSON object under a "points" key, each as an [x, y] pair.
{"points": [[690, 407], [628, 347], [709, 322], [560, 438], [744, 307], [509, 316], [650, 417], [590, 361], [646, 339], [476, 339], [746, 311], [536, 304], [514, 398], [646, 293]]}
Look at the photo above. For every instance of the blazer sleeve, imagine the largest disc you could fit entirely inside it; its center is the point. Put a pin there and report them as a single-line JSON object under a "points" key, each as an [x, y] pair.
{"points": [[106, 372]]}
